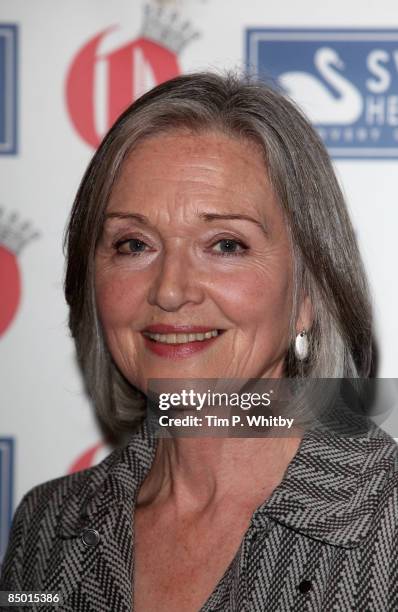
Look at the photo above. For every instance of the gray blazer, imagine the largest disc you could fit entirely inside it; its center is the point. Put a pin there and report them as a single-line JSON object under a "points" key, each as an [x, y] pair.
{"points": [[326, 539]]}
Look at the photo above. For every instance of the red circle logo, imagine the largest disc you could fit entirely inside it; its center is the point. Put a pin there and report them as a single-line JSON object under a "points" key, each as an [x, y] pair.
{"points": [[125, 74], [10, 287]]}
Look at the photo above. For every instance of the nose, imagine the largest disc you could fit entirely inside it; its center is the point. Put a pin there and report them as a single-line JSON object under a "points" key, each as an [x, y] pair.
{"points": [[176, 283]]}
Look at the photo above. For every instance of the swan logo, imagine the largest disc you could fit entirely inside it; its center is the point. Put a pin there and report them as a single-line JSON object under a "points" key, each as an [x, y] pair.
{"points": [[8, 89], [104, 78], [345, 81], [6, 491]]}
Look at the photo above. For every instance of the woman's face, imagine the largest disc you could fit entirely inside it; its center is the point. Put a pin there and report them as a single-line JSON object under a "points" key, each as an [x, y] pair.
{"points": [[194, 268]]}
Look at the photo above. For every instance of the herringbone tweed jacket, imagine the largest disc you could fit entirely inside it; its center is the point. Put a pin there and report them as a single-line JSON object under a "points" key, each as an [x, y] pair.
{"points": [[326, 539]]}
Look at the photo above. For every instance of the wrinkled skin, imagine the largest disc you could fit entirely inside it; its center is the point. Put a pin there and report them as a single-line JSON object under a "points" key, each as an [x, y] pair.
{"points": [[181, 274]]}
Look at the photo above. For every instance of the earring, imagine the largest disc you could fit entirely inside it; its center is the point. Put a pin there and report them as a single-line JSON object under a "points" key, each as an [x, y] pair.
{"points": [[301, 346]]}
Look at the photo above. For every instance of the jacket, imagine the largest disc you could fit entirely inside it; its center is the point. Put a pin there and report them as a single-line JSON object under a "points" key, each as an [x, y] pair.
{"points": [[326, 539]]}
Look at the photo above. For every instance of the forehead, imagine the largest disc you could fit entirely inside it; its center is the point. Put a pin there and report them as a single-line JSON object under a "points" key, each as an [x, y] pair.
{"points": [[182, 167]]}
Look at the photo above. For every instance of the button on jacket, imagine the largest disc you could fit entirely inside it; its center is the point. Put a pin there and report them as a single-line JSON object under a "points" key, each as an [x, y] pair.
{"points": [[326, 539]]}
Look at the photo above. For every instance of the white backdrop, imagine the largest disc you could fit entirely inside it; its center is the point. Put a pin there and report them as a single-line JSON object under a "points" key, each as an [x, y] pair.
{"points": [[43, 406]]}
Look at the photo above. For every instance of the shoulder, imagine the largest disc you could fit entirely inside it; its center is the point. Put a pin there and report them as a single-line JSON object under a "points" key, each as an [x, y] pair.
{"points": [[57, 511], [379, 446], [40, 512], [56, 492], [378, 551], [376, 457], [377, 491], [51, 492], [384, 452]]}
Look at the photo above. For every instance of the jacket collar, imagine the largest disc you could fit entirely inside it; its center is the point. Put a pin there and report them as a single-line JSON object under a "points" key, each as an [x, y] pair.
{"points": [[330, 490], [332, 487], [113, 482]]}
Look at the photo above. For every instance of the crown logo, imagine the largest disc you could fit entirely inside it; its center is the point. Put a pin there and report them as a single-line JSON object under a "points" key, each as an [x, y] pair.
{"points": [[14, 233], [166, 28]]}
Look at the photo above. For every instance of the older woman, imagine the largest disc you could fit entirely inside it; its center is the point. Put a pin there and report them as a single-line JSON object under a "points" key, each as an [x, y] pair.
{"points": [[209, 239]]}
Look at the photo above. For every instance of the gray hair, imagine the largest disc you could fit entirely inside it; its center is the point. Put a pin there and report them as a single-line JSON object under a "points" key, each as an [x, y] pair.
{"points": [[327, 263]]}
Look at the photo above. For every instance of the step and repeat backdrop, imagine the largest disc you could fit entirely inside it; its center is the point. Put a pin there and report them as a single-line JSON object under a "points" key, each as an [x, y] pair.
{"points": [[68, 68]]}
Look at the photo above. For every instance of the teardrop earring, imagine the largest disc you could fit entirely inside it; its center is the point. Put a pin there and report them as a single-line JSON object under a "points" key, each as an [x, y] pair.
{"points": [[301, 346]]}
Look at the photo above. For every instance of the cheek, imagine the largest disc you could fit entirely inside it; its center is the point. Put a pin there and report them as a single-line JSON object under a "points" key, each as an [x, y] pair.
{"points": [[257, 296], [118, 299], [117, 305]]}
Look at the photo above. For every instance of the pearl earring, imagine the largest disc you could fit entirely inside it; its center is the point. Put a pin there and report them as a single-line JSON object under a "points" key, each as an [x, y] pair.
{"points": [[301, 346]]}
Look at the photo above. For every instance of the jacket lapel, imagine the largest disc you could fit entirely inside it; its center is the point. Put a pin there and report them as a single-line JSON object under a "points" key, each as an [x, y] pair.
{"points": [[332, 487], [95, 535]]}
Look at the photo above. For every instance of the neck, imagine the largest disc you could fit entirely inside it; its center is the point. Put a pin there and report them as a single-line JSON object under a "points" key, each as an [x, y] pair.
{"points": [[197, 473]]}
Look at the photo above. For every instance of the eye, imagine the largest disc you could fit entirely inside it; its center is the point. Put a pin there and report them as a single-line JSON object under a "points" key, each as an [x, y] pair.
{"points": [[229, 246], [131, 246]]}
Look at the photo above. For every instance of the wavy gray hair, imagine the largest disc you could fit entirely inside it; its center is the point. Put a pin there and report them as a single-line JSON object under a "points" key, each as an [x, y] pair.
{"points": [[327, 263]]}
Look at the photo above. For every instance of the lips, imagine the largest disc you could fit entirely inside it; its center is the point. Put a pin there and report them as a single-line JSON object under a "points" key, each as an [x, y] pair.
{"points": [[176, 342]]}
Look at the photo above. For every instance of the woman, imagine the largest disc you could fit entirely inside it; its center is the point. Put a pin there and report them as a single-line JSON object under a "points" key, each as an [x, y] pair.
{"points": [[209, 239]]}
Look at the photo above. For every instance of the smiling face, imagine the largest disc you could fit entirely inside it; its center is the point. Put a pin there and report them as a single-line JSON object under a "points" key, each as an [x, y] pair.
{"points": [[193, 271]]}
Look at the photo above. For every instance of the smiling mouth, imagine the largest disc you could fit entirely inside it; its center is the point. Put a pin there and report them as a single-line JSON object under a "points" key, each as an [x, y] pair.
{"points": [[182, 338]]}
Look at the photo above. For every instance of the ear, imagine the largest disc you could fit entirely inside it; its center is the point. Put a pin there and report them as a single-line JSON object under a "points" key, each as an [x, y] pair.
{"points": [[305, 316]]}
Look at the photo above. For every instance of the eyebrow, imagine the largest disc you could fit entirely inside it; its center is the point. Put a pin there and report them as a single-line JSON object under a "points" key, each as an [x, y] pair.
{"points": [[135, 216], [206, 216], [232, 216]]}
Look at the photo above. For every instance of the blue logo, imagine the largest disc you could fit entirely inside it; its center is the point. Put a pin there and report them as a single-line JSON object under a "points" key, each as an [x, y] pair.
{"points": [[345, 80], [6, 491], [8, 89]]}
